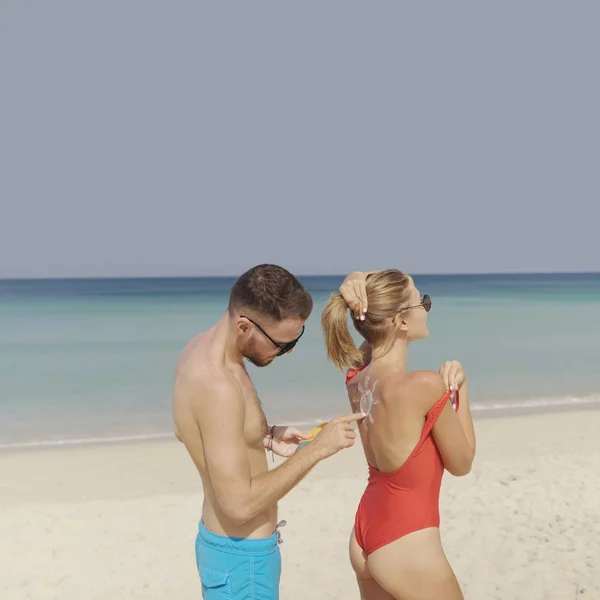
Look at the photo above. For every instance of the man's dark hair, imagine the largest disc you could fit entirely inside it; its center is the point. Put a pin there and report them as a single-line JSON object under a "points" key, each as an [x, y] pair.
{"points": [[272, 291]]}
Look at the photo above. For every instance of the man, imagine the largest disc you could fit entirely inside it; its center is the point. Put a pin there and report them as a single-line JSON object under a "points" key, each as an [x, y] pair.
{"points": [[220, 420]]}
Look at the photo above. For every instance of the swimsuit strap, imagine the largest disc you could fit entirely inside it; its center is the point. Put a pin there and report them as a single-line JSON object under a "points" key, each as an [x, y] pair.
{"points": [[353, 372], [434, 412]]}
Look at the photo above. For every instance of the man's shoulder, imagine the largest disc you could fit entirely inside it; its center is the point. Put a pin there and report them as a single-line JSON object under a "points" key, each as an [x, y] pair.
{"points": [[202, 381], [204, 384], [215, 399]]}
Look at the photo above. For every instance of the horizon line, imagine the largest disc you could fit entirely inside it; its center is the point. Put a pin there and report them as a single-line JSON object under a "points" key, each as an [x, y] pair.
{"points": [[300, 275]]}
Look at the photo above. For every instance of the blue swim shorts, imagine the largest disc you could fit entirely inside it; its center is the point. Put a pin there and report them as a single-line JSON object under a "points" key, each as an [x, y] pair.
{"points": [[238, 568]]}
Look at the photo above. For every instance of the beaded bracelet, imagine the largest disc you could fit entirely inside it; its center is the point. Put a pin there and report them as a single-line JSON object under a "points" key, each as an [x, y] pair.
{"points": [[270, 443]]}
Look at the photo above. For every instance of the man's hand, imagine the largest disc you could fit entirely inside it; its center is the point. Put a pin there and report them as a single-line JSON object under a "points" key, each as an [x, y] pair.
{"points": [[338, 434], [285, 440]]}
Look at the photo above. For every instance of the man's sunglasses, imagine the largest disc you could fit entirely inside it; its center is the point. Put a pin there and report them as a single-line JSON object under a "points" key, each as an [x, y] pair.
{"points": [[284, 348], [425, 303]]}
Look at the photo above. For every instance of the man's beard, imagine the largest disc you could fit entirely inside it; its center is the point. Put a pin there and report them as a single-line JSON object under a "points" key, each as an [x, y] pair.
{"points": [[259, 363], [249, 355]]}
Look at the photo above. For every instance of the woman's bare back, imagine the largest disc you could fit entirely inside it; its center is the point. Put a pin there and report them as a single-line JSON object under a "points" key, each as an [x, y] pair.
{"points": [[414, 566]]}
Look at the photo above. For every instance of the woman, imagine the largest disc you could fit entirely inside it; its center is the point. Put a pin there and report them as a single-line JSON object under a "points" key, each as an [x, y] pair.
{"points": [[417, 424]]}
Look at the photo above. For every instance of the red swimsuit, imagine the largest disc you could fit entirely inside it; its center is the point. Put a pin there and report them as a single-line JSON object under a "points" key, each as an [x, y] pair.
{"points": [[407, 499]]}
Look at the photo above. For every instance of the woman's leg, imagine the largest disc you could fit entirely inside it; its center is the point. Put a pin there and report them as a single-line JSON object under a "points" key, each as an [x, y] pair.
{"points": [[369, 588], [415, 567]]}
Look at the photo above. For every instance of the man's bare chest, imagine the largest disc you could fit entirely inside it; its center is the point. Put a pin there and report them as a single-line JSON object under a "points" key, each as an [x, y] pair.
{"points": [[255, 422]]}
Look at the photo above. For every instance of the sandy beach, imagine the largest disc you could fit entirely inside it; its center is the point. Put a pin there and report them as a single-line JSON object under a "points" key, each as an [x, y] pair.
{"points": [[119, 521]]}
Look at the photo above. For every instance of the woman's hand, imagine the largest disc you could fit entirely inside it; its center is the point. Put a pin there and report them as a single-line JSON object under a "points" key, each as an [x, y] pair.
{"points": [[453, 374], [354, 292]]}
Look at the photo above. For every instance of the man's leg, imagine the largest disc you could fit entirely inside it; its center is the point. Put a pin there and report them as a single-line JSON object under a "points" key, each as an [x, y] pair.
{"points": [[266, 574]]}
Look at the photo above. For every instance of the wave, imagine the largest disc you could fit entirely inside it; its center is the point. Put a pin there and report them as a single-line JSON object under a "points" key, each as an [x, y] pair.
{"points": [[540, 403], [40, 444]]}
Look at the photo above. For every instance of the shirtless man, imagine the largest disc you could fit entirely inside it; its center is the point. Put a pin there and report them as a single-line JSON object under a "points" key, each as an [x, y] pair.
{"points": [[220, 420]]}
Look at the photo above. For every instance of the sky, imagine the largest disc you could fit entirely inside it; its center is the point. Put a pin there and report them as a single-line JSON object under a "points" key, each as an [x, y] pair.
{"points": [[183, 138]]}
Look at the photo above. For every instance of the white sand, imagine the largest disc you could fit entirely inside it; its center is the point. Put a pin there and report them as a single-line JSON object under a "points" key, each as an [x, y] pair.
{"points": [[119, 522]]}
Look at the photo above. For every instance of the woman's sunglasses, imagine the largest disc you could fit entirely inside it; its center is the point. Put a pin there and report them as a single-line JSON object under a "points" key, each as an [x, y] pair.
{"points": [[284, 348], [425, 303]]}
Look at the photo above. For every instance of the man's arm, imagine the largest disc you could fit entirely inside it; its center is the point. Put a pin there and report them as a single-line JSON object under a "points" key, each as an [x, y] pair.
{"points": [[219, 411]]}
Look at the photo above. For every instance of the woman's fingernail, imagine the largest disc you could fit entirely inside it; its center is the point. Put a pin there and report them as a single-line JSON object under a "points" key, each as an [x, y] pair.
{"points": [[364, 310], [362, 317]]}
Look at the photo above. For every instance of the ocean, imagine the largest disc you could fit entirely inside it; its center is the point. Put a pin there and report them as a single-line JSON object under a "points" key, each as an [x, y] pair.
{"points": [[85, 361]]}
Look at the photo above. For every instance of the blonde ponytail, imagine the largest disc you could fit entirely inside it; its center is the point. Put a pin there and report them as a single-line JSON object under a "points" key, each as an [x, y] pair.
{"points": [[341, 349]]}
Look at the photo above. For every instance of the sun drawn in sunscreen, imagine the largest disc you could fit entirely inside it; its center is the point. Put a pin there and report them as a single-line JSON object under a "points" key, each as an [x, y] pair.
{"points": [[366, 400]]}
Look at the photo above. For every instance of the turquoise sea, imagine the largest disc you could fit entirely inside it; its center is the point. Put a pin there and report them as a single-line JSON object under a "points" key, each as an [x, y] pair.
{"points": [[93, 360]]}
